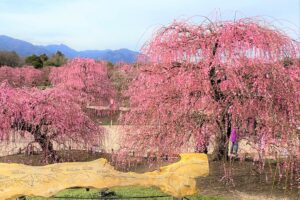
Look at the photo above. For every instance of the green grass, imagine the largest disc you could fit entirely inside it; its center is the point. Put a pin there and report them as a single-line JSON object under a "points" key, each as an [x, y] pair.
{"points": [[121, 192]]}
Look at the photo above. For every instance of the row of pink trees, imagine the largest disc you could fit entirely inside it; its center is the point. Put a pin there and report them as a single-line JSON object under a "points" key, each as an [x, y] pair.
{"points": [[56, 114], [21, 76], [201, 80]]}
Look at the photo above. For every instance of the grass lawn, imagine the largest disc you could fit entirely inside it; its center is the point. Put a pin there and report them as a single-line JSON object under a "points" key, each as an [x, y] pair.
{"points": [[120, 192]]}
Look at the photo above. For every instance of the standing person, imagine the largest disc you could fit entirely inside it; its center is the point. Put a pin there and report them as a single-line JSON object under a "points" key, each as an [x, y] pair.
{"points": [[233, 143]]}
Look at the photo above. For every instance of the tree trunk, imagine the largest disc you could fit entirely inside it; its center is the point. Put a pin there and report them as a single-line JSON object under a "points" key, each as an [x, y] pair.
{"points": [[220, 149], [42, 139], [224, 123], [46, 145]]}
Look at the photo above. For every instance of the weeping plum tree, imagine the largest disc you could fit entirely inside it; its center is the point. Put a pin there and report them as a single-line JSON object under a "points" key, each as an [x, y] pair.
{"points": [[121, 75], [200, 80], [86, 79], [49, 115], [56, 114]]}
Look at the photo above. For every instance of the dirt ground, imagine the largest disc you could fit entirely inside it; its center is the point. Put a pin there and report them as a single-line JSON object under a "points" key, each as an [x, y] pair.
{"points": [[243, 180], [245, 183]]}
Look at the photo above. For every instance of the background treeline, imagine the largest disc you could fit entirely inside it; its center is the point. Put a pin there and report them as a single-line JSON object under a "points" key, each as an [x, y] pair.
{"points": [[8, 58], [11, 58]]}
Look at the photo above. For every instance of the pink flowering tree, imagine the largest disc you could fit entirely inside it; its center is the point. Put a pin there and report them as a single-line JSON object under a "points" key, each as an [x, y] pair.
{"points": [[201, 80], [86, 79], [49, 116], [55, 115], [22, 76], [121, 74]]}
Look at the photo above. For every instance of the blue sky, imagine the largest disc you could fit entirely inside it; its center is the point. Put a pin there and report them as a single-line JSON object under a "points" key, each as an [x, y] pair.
{"points": [[114, 24]]}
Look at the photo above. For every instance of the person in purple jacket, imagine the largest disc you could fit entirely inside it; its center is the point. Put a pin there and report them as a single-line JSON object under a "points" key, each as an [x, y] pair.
{"points": [[233, 143]]}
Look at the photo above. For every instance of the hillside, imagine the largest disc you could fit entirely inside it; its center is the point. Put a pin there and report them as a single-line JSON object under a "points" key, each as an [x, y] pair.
{"points": [[24, 48]]}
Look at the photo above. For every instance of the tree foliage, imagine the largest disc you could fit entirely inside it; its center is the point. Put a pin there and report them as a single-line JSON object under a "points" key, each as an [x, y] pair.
{"points": [[34, 60], [9, 59], [22, 76], [57, 59], [86, 79], [43, 60], [120, 76]]}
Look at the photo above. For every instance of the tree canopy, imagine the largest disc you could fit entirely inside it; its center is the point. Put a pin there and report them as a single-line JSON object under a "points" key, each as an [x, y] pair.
{"points": [[9, 59], [86, 79], [55, 115], [200, 80], [22, 76]]}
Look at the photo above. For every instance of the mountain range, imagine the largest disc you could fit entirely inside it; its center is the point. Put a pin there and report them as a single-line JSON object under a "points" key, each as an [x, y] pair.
{"points": [[23, 48]]}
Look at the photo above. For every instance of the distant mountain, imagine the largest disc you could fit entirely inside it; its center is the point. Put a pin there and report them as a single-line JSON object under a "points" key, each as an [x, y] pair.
{"points": [[69, 52], [113, 56], [24, 48]]}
